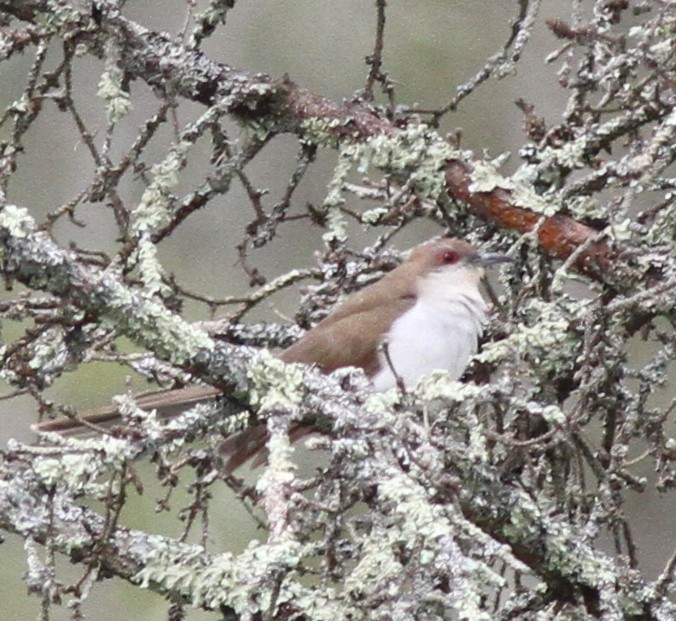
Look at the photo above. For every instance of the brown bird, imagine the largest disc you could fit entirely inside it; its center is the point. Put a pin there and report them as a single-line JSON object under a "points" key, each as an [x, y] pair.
{"points": [[426, 314]]}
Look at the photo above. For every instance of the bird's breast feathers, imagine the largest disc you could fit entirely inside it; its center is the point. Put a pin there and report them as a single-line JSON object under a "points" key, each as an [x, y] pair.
{"points": [[440, 333]]}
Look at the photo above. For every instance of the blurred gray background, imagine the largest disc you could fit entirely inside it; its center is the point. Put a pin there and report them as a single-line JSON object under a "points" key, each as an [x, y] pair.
{"points": [[430, 47]]}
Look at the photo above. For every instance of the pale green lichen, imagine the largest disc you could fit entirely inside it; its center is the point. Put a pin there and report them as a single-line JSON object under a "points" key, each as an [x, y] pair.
{"points": [[276, 483], [379, 405], [524, 196], [336, 226], [128, 407], [21, 105], [213, 15], [238, 582], [150, 268], [543, 336], [377, 564], [275, 385], [118, 103], [49, 353], [438, 385], [181, 340], [486, 178], [280, 282], [554, 415], [319, 132], [110, 88], [157, 327], [426, 527], [664, 226], [78, 466], [56, 17], [571, 155], [415, 156], [197, 415], [373, 216], [326, 605], [584, 207], [335, 221], [566, 554], [281, 468], [17, 221], [70, 470], [586, 563], [138, 315], [476, 450], [621, 231], [152, 211]]}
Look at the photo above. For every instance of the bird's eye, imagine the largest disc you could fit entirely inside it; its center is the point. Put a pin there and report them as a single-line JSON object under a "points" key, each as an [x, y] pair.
{"points": [[447, 257]]}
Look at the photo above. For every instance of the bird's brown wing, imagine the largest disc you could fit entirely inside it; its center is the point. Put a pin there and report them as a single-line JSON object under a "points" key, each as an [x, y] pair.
{"points": [[352, 339], [353, 332], [350, 336]]}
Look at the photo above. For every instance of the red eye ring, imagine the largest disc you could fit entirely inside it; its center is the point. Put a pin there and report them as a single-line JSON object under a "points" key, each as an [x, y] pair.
{"points": [[447, 257]]}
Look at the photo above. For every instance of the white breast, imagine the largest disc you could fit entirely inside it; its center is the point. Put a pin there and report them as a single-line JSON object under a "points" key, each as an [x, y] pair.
{"points": [[438, 332]]}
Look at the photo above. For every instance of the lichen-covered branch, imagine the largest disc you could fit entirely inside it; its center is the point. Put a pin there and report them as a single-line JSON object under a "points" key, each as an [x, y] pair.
{"points": [[274, 106], [500, 497]]}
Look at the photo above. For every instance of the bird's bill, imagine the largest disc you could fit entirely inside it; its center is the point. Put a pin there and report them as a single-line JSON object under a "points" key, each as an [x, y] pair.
{"points": [[491, 258]]}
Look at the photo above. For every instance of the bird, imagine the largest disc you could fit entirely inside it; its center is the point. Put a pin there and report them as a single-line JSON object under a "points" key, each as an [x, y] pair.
{"points": [[424, 315], [427, 314]]}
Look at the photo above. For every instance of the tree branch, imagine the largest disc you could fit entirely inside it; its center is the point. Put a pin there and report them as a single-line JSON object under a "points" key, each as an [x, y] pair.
{"points": [[279, 106]]}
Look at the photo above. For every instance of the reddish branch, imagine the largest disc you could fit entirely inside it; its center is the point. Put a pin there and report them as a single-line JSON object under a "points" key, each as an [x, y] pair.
{"points": [[558, 235], [162, 63], [292, 106]]}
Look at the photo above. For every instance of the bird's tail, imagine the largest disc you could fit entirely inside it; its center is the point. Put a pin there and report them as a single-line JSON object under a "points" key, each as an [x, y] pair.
{"points": [[248, 445], [167, 403]]}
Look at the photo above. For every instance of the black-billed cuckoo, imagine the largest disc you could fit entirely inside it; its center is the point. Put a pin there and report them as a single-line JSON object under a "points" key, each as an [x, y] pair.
{"points": [[426, 314]]}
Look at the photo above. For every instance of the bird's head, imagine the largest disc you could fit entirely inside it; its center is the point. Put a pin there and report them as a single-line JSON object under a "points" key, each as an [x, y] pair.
{"points": [[451, 263]]}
